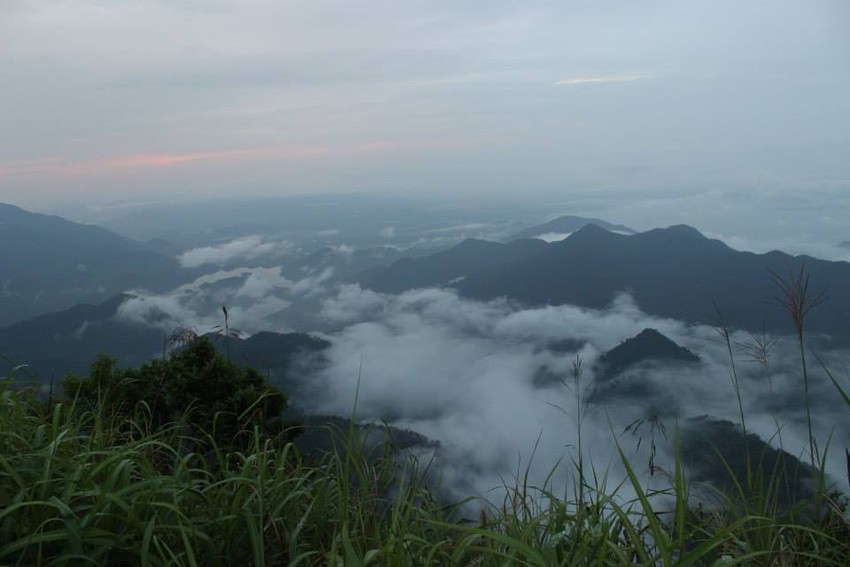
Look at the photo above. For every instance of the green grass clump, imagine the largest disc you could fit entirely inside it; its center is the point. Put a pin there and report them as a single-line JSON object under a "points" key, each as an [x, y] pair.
{"points": [[76, 489], [74, 492]]}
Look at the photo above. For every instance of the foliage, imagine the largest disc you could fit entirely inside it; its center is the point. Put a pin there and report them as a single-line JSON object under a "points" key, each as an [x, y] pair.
{"points": [[73, 492], [218, 398]]}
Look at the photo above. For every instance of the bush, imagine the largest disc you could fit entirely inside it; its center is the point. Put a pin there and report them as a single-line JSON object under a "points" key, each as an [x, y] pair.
{"points": [[210, 395]]}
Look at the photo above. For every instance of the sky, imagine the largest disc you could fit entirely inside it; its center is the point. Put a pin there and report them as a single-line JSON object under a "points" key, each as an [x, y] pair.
{"points": [[117, 101]]}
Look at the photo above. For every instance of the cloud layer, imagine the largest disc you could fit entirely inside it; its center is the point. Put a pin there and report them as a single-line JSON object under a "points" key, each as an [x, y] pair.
{"points": [[242, 248], [491, 382], [257, 299]]}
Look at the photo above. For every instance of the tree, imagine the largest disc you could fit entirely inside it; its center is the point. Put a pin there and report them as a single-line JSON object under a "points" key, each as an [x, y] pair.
{"points": [[196, 386]]}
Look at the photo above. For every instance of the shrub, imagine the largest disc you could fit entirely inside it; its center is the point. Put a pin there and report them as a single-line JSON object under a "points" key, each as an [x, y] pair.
{"points": [[196, 385]]}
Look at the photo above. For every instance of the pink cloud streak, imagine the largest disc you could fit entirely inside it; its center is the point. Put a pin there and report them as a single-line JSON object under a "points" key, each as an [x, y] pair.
{"points": [[65, 166]]}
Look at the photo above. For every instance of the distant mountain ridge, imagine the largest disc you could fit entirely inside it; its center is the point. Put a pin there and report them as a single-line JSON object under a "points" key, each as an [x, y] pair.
{"points": [[54, 344], [568, 224], [446, 267], [68, 341], [673, 272], [50, 263]]}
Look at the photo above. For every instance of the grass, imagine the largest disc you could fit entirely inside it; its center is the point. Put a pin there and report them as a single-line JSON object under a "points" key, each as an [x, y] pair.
{"points": [[78, 490]]}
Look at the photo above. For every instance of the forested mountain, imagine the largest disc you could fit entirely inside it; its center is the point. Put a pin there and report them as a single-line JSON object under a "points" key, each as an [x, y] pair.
{"points": [[53, 344], [568, 224], [68, 341], [719, 455], [638, 371], [50, 263], [674, 272], [648, 345], [287, 359]]}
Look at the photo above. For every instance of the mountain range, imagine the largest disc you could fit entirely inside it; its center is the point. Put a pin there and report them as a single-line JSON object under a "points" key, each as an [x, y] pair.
{"points": [[69, 271], [80, 273], [568, 224], [49, 263], [69, 341], [674, 272], [57, 343], [449, 266]]}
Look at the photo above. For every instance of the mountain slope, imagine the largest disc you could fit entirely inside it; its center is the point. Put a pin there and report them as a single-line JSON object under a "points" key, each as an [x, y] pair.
{"points": [[50, 263], [468, 257], [568, 224], [648, 345], [54, 344], [638, 370], [288, 359], [69, 341], [674, 272], [718, 453]]}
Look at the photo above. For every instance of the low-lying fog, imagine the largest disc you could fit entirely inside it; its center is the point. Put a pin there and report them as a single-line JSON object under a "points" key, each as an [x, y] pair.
{"points": [[493, 382]]}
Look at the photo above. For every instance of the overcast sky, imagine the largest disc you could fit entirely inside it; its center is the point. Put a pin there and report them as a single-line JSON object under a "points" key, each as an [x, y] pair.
{"points": [[104, 101]]}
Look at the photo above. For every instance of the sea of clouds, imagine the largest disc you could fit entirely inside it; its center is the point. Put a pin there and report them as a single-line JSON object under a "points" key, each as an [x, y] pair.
{"points": [[464, 373], [467, 374]]}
